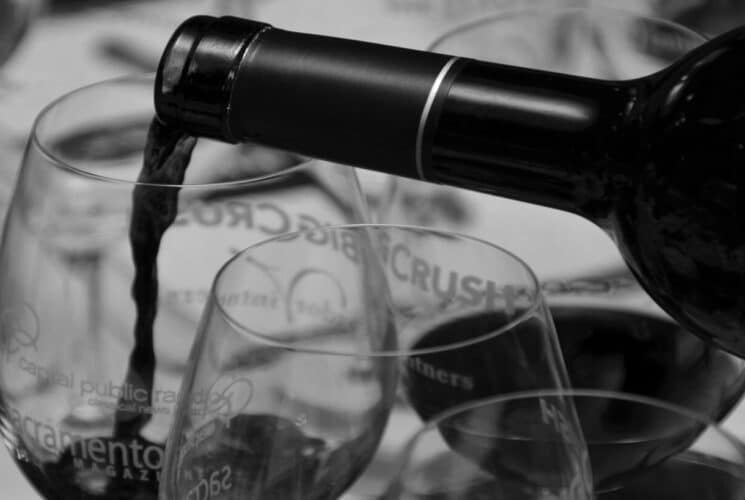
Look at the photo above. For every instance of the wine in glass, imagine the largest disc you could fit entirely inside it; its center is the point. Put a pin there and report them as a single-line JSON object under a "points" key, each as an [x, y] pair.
{"points": [[639, 448]]}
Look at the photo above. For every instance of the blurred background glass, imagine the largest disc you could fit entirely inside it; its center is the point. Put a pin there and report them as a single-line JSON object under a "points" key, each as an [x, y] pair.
{"points": [[15, 19], [412, 23], [707, 16]]}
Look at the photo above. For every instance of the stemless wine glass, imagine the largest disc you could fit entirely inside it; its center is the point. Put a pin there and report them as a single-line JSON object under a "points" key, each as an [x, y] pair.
{"points": [[87, 400], [284, 320], [512, 447]]}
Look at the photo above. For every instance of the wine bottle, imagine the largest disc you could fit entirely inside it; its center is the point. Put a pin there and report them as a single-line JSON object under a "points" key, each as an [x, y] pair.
{"points": [[658, 161]]}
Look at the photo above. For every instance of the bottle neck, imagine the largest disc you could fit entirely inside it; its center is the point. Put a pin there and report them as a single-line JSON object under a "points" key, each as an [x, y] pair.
{"points": [[544, 138]]}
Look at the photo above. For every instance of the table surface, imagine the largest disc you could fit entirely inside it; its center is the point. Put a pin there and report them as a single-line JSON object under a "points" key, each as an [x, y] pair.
{"points": [[66, 50]]}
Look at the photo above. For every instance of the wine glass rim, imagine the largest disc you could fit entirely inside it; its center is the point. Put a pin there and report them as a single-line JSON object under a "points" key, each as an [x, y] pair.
{"points": [[535, 295], [544, 11], [575, 393], [53, 159]]}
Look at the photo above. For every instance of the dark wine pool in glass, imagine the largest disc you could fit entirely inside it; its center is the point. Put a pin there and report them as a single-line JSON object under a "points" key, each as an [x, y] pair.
{"points": [[616, 350], [261, 456]]}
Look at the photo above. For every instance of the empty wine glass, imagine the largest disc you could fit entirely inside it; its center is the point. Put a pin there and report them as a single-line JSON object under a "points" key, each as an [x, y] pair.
{"points": [[87, 404], [512, 447], [469, 321]]}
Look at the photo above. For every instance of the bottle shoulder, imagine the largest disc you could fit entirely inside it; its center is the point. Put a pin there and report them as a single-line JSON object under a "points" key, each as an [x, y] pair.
{"points": [[681, 225], [702, 90]]}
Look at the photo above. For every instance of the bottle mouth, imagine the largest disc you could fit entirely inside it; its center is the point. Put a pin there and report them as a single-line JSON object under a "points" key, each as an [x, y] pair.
{"points": [[195, 75]]}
